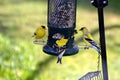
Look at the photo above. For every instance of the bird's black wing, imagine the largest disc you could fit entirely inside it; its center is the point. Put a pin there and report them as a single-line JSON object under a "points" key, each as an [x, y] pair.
{"points": [[94, 45], [91, 41]]}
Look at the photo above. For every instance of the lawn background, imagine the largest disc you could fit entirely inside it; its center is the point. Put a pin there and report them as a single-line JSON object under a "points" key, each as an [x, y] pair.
{"points": [[20, 59]]}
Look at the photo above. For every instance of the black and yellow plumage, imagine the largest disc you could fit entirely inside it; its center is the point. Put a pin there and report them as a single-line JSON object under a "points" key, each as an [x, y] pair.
{"points": [[39, 33], [61, 45], [88, 40]]}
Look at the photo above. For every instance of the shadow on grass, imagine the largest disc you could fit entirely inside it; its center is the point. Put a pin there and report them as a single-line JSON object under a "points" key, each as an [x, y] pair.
{"points": [[113, 5], [9, 31], [3, 2], [3, 29], [41, 66]]}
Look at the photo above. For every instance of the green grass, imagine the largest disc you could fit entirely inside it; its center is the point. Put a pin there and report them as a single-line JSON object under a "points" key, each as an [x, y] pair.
{"points": [[20, 59]]}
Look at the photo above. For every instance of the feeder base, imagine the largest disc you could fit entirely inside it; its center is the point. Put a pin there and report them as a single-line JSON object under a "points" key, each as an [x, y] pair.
{"points": [[69, 51]]}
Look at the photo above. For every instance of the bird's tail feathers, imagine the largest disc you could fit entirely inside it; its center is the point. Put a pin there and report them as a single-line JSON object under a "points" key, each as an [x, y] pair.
{"points": [[97, 49], [60, 57]]}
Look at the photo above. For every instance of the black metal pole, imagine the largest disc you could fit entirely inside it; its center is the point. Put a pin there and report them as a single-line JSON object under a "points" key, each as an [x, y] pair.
{"points": [[100, 4], [102, 43]]}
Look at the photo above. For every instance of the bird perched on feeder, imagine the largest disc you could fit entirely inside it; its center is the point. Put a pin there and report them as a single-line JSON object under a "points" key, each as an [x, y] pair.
{"points": [[61, 48], [39, 33], [89, 41]]}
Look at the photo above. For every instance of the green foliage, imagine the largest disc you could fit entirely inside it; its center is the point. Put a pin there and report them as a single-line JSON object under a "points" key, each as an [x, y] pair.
{"points": [[17, 58], [20, 59]]}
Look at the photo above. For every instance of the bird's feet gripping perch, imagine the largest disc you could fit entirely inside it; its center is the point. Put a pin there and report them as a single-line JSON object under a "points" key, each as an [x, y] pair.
{"points": [[86, 47], [39, 41]]}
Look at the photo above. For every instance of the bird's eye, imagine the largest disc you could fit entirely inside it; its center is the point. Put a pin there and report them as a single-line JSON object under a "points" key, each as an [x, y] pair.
{"points": [[35, 34], [81, 28], [43, 27]]}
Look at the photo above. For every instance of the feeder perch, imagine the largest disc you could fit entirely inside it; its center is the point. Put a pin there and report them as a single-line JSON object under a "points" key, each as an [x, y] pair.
{"points": [[61, 20]]}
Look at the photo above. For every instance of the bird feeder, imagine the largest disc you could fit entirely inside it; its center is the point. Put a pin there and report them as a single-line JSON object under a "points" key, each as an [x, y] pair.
{"points": [[61, 20]]}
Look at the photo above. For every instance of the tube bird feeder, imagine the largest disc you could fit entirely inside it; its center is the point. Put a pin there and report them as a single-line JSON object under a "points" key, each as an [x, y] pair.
{"points": [[61, 20]]}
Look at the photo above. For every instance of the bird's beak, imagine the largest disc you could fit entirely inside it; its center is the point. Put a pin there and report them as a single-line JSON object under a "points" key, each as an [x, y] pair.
{"points": [[45, 29], [79, 29], [33, 35]]}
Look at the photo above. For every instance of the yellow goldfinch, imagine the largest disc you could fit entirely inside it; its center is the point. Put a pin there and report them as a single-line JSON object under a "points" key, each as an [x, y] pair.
{"points": [[89, 41], [61, 45], [62, 42], [39, 33]]}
